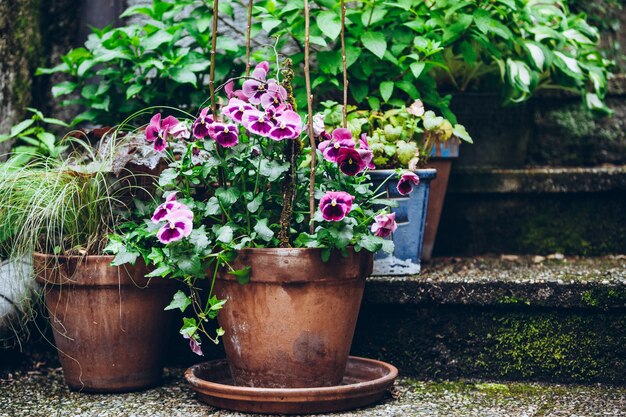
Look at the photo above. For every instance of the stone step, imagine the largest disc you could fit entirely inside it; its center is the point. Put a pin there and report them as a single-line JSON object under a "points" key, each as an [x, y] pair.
{"points": [[577, 211], [41, 392], [508, 317]]}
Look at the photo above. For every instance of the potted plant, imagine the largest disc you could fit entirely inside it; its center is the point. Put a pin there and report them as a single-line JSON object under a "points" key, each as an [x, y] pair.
{"points": [[406, 138], [283, 232], [107, 319]]}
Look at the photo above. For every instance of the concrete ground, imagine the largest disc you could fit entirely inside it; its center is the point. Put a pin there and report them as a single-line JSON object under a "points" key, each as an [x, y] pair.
{"points": [[41, 392]]}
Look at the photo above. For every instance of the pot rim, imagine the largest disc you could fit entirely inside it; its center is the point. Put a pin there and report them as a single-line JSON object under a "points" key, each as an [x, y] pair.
{"points": [[423, 173], [49, 255]]}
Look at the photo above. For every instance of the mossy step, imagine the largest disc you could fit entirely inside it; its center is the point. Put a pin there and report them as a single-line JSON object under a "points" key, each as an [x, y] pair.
{"points": [[41, 392], [575, 211], [505, 319], [538, 180], [528, 281]]}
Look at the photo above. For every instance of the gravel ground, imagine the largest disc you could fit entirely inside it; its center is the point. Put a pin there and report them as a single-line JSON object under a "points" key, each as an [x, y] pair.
{"points": [[41, 392]]}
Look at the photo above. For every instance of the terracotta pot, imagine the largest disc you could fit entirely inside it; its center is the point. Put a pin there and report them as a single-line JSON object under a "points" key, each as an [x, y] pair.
{"points": [[441, 159], [108, 322], [291, 326]]}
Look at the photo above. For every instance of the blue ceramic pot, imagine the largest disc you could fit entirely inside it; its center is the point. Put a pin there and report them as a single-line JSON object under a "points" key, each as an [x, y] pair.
{"points": [[411, 218]]}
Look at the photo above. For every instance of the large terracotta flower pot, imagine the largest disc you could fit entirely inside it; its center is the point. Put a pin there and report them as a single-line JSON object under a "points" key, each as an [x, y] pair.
{"points": [[291, 326], [411, 218], [108, 322]]}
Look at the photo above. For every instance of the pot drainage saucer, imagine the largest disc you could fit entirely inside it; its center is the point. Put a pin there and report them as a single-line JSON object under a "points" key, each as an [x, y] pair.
{"points": [[365, 382]]}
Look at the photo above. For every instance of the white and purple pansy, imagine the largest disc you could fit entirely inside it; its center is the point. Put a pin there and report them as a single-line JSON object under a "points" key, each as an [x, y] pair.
{"points": [[257, 122], [235, 108], [288, 126]]}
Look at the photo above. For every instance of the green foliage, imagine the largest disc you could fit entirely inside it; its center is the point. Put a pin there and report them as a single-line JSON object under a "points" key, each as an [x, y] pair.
{"points": [[400, 137], [33, 140], [163, 60], [396, 52], [423, 49], [60, 206]]}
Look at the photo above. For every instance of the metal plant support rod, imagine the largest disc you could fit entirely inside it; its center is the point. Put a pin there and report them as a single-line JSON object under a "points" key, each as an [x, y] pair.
{"points": [[345, 67], [307, 78]]}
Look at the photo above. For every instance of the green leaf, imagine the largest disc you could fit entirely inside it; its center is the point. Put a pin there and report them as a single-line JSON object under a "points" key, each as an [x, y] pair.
{"points": [[167, 177], [124, 257], [180, 301], [183, 75], [227, 196], [242, 275], [224, 234], [417, 68], [329, 23], [270, 23], [325, 254], [263, 230], [189, 265], [460, 132], [190, 326], [487, 24], [132, 90], [212, 207], [198, 238], [160, 271], [254, 205], [20, 127], [273, 169], [66, 87], [226, 43], [157, 39], [375, 42], [386, 89]]}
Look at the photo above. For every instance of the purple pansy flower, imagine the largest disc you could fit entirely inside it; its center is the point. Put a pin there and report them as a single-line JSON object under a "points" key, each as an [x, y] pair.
{"points": [[331, 148], [166, 208], [235, 108], [275, 95], [253, 90], [201, 125], [406, 183], [288, 126], [225, 134], [261, 66], [194, 345], [335, 205], [257, 122], [384, 225], [342, 133], [178, 226], [350, 161], [366, 152], [158, 130]]}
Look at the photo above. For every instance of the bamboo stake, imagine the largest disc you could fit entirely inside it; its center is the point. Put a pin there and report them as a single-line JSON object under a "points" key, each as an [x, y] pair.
{"points": [[212, 71], [307, 78], [345, 67], [248, 37]]}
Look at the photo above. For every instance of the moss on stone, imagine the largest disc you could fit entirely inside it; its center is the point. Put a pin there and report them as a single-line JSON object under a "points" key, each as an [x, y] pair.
{"points": [[496, 343]]}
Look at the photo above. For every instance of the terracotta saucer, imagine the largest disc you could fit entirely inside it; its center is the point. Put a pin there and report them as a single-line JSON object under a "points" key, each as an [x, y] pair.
{"points": [[365, 382]]}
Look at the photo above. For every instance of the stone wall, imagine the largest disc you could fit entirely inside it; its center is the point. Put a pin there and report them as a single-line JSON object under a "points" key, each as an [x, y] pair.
{"points": [[20, 46]]}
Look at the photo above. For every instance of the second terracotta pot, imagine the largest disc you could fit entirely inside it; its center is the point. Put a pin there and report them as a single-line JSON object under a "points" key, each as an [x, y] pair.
{"points": [[292, 325], [108, 322]]}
